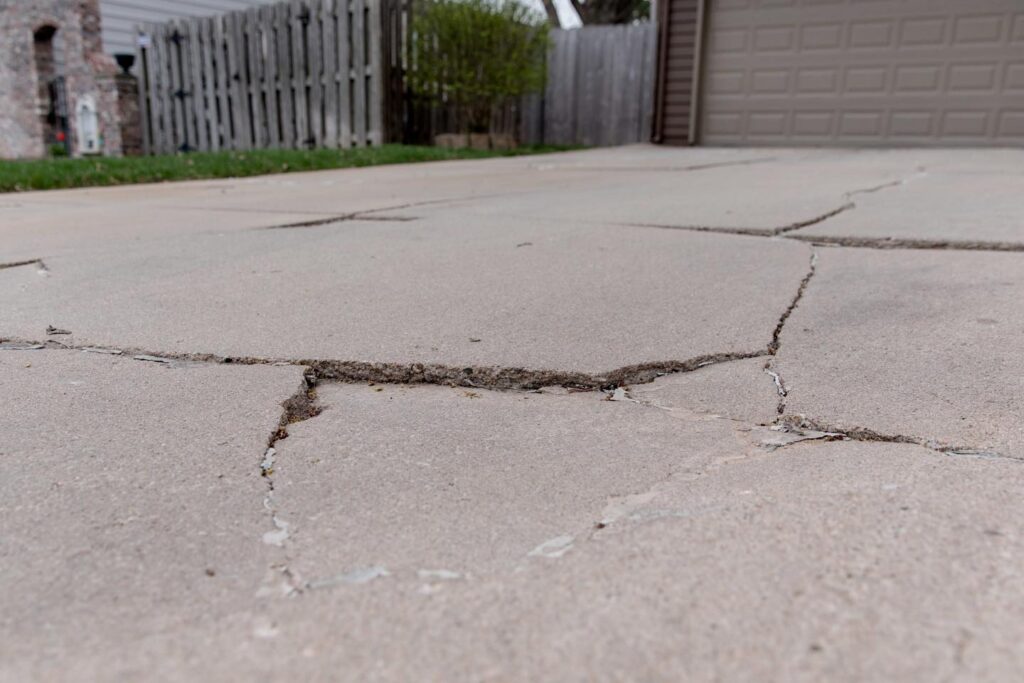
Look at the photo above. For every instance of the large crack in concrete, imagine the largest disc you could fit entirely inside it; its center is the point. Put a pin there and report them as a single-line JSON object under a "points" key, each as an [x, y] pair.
{"points": [[300, 406], [478, 377]]}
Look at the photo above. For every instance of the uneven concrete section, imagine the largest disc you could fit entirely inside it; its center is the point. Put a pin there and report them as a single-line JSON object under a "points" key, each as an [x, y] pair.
{"points": [[739, 390], [435, 480], [940, 209], [131, 502], [609, 415], [840, 562], [499, 292], [925, 345]]}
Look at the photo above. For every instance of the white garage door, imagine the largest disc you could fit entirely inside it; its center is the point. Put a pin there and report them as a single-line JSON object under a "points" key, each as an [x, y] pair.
{"points": [[864, 72]]}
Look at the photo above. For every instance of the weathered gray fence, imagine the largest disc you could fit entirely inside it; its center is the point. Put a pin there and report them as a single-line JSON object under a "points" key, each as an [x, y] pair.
{"points": [[600, 88], [298, 74]]}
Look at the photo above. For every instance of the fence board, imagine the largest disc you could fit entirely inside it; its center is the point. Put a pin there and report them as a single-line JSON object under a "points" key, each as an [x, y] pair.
{"points": [[145, 92], [268, 83], [299, 78], [239, 117], [359, 70], [209, 111], [344, 73], [227, 136], [331, 76], [196, 95], [254, 76], [375, 86], [285, 81], [314, 33]]}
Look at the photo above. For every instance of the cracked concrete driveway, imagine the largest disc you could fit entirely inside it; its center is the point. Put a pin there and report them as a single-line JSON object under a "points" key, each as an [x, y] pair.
{"points": [[627, 414]]}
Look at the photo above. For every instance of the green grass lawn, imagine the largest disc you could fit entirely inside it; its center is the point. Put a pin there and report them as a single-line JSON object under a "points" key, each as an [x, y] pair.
{"points": [[51, 174]]}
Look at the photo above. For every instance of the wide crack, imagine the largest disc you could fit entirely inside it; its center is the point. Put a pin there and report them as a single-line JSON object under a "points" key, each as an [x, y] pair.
{"points": [[478, 377]]}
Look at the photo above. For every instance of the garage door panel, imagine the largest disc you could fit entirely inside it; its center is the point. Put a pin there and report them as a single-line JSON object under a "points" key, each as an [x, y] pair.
{"points": [[864, 72]]}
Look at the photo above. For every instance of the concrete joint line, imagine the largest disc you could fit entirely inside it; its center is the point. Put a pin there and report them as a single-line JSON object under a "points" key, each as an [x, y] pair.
{"points": [[372, 214]]}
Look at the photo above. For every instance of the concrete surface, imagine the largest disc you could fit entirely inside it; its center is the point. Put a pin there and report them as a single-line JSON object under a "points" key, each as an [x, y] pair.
{"points": [[928, 345], [131, 500], [714, 456], [535, 295]]}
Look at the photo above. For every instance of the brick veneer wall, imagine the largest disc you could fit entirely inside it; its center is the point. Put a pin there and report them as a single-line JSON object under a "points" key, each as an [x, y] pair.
{"points": [[86, 69]]}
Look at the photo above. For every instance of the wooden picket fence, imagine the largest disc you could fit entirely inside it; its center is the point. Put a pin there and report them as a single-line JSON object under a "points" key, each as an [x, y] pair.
{"points": [[298, 75]]}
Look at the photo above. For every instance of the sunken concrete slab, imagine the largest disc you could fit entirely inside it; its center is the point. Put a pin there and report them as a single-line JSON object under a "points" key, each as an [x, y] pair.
{"points": [[500, 292], [455, 483], [968, 207], [131, 502], [739, 390], [916, 343], [838, 561]]}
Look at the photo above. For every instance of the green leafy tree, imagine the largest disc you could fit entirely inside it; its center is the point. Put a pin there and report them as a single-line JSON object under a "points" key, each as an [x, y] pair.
{"points": [[477, 55]]}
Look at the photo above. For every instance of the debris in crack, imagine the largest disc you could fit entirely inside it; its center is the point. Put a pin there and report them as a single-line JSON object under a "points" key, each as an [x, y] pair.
{"points": [[50, 329], [782, 435], [267, 465], [17, 346], [96, 349], [780, 387], [476, 377], [354, 577], [279, 534], [300, 406], [553, 548]]}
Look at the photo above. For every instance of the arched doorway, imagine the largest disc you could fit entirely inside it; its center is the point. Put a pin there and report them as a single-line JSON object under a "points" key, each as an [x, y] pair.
{"points": [[52, 96]]}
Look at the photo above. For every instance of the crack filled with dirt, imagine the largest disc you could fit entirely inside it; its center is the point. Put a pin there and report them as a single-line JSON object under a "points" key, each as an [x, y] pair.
{"points": [[801, 422], [495, 378], [300, 406], [776, 341], [38, 262]]}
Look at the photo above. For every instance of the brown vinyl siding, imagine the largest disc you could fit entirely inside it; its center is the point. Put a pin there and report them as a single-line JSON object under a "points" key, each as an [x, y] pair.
{"points": [[679, 40]]}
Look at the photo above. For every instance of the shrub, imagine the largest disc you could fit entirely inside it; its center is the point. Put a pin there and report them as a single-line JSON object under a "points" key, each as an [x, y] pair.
{"points": [[476, 55]]}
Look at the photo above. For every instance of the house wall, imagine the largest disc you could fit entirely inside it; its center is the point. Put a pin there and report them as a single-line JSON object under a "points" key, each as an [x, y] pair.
{"points": [[120, 17], [87, 71]]}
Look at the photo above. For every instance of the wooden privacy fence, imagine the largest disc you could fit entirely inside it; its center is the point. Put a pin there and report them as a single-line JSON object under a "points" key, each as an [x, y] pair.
{"points": [[600, 87], [600, 91], [299, 74]]}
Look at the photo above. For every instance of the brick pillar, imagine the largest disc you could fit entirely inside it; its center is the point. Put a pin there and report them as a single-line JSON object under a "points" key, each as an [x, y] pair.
{"points": [[128, 113], [92, 36]]}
